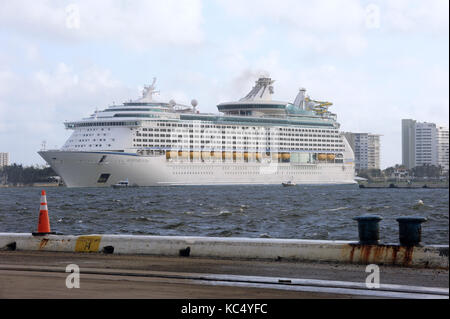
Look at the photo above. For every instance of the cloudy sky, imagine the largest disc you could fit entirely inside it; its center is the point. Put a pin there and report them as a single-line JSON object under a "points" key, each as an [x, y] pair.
{"points": [[377, 61]]}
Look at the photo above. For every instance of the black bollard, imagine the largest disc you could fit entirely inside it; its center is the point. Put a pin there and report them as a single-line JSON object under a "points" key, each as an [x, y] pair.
{"points": [[410, 230], [368, 229]]}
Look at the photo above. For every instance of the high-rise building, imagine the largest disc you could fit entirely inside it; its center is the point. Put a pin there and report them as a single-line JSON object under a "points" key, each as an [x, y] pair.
{"points": [[442, 147], [408, 143], [366, 147], [424, 144], [4, 159], [373, 151]]}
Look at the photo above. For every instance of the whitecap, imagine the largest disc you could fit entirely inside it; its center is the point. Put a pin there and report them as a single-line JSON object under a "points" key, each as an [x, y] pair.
{"points": [[335, 209], [142, 218]]}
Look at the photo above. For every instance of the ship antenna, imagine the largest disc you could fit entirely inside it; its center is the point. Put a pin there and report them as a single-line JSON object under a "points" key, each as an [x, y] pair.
{"points": [[149, 90]]}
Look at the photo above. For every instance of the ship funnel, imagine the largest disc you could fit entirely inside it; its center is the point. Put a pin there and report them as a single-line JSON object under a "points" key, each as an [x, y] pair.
{"points": [[262, 90]]}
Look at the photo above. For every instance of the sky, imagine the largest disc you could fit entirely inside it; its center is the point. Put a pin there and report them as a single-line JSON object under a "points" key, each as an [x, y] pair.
{"points": [[377, 61]]}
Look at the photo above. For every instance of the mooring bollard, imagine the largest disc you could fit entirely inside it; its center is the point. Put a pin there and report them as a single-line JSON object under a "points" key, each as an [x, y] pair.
{"points": [[410, 230], [368, 229]]}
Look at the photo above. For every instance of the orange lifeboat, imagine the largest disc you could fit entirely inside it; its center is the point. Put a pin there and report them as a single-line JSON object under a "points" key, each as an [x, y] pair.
{"points": [[193, 154], [237, 155], [206, 155], [226, 155]]}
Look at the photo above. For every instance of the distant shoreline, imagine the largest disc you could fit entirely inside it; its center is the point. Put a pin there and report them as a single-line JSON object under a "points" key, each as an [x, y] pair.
{"points": [[404, 185]]}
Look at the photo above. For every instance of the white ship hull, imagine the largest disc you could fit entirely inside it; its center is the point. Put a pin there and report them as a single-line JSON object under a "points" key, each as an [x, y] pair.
{"points": [[85, 169]]}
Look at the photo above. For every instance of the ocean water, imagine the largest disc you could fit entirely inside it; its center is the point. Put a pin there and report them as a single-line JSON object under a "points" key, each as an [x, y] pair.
{"points": [[302, 212]]}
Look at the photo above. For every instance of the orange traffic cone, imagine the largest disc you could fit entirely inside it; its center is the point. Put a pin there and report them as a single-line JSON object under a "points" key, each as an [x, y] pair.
{"points": [[44, 221]]}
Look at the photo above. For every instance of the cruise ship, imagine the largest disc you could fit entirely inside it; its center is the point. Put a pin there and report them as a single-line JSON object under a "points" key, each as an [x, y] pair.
{"points": [[255, 140]]}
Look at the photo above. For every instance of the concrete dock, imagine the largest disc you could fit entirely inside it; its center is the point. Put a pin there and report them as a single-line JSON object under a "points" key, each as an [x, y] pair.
{"points": [[42, 274], [181, 267]]}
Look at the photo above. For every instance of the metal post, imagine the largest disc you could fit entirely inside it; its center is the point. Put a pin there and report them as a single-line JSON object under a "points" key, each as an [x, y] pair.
{"points": [[368, 229], [410, 230]]}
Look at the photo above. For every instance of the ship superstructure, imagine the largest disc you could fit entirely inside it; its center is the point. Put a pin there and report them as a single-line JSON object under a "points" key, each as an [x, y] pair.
{"points": [[255, 140]]}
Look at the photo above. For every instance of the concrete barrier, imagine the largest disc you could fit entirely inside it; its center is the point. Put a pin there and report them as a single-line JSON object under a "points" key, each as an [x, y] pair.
{"points": [[433, 256]]}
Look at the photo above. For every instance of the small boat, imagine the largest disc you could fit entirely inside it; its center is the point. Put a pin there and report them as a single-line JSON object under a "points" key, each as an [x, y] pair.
{"points": [[288, 183], [123, 184]]}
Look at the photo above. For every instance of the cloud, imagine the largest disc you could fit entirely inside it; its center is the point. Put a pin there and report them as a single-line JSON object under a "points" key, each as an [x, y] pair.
{"points": [[140, 24], [34, 106], [312, 27], [429, 16], [320, 15], [341, 27], [373, 75]]}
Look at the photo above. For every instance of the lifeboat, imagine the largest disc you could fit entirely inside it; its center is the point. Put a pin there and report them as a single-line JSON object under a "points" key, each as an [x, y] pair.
{"points": [[286, 156], [322, 157], [193, 154], [237, 155], [171, 154], [226, 155], [206, 155], [183, 154], [331, 157]]}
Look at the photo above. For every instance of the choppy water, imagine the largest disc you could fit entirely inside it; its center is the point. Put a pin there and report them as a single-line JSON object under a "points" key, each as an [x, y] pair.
{"points": [[306, 212]]}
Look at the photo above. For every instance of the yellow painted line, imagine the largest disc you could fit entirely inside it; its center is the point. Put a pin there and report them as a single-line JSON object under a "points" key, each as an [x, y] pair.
{"points": [[87, 244]]}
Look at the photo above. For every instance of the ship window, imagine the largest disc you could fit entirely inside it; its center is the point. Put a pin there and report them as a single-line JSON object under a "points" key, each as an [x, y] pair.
{"points": [[103, 178]]}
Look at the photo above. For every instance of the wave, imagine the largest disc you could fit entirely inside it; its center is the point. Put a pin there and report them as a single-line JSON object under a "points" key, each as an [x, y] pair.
{"points": [[336, 209], [174, 226], [142, 218]]}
